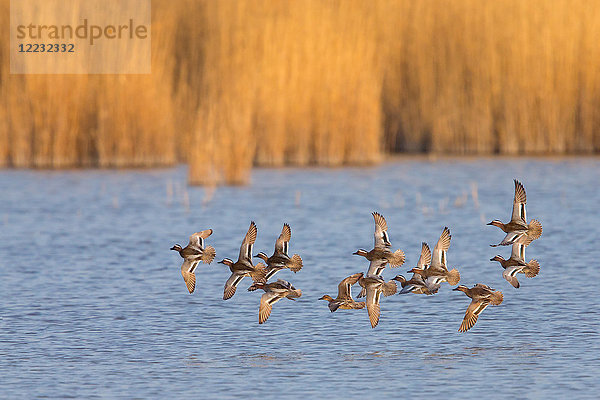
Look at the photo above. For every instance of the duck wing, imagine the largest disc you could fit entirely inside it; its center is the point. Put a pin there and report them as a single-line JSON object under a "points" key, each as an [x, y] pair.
{"points": [[518, 213], [441, 247], [197, 239], [189, 266], [231, 285], [472, 313], [376, 266], [518, 253], [373, 295], [510, 275], [425, 258], [248, 243], [266, 305], [187, 271], [511, 238], [344, 288], [283, 241], [381, 236]]}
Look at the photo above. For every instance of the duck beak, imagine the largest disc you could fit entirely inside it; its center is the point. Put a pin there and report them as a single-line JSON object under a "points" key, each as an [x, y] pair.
{"points": [[456, 288], [221, 262], [490, 223], [493, 259], [173, 248], [355, 253], [256, 256]]}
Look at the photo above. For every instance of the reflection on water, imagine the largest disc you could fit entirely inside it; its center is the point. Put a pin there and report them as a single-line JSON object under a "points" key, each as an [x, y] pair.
{"points": [[93, 304]]}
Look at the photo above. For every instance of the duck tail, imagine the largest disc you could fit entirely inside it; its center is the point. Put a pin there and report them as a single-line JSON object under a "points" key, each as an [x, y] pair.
{"points": [[532, 269], [534, 231], [259, 273], [397, 259], [208, 255], [296, 263], [496, 298], [389, 288], [453, 277]]}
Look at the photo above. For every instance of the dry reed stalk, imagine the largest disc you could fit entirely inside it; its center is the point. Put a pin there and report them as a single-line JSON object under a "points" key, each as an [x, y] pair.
{"points": [[280, 87], [62, 121], [239, 83], [477, 77]]}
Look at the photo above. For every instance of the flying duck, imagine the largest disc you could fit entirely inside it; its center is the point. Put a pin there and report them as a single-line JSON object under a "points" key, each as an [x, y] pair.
{"points": [[417, 284], [517, 230], [438, 272], [382, 247], [344, 298], [280, 259], [243, 266], [481, 295], [375, 286], [192, 254], [516, 264], [274, 292]]}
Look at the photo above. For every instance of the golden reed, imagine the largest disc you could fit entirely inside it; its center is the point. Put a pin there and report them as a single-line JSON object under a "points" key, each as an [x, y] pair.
{"points": [[266, 82]]}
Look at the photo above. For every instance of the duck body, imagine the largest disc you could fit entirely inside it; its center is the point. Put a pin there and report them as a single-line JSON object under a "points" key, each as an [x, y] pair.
{"points": [[481, 296]]}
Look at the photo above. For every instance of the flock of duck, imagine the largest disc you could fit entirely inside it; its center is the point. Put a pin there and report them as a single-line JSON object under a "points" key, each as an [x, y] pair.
{"points": [[427, 277]]}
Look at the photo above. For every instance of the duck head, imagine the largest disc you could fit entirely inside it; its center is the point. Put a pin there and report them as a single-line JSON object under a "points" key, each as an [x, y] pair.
{"points": [[326, 297], [177, 247], [399, 278], [360, 252], [417, 271], [497, 258], [461, 288], [262, 256], [226, 261], [497, 223]]}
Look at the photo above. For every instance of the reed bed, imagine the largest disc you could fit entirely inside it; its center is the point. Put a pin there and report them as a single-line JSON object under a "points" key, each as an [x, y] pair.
{"points": [[507, 76], [271, 83]]}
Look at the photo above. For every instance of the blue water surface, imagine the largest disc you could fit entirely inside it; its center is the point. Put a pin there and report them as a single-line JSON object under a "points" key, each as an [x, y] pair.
{"points": [[92, 303]]}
